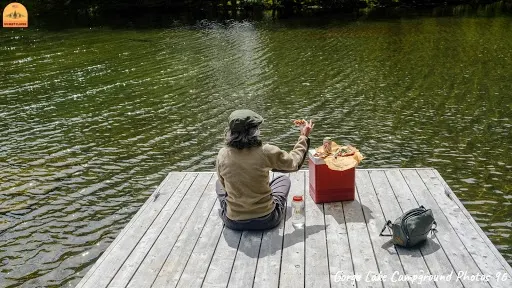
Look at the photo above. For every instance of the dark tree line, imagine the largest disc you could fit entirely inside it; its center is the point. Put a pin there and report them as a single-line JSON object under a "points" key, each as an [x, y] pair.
{"points": [[98, 6]]}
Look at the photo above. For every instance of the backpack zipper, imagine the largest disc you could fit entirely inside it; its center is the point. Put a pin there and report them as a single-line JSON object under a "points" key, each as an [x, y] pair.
{"points": [[415, 212]]}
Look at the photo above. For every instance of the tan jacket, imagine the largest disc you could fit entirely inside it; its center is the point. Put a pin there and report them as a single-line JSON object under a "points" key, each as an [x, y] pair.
{"points": [[244, 174]]}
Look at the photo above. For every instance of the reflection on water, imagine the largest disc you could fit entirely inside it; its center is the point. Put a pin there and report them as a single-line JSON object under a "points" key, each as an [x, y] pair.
{"points": [[92, 120]]}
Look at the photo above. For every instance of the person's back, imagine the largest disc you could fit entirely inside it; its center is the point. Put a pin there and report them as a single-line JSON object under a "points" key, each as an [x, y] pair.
{"points": [[246, 178], [248, 201]]}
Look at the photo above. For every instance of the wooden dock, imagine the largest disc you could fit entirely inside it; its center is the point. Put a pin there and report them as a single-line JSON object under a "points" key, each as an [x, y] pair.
{"points": [[177, 240]]}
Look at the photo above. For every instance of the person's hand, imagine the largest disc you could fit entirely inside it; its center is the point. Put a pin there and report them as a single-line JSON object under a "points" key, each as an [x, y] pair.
{"points": [[306, 130]]}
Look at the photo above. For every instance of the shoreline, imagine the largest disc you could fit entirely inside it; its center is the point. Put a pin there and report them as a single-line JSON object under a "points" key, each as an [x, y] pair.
{"points": [[162, 18]]}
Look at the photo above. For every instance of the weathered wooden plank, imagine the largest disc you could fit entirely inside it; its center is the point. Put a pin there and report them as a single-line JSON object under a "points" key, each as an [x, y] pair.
{"points": [[171, 270], [338, 246], [491, 246], [132, 260], [110, 262], [244, 268], [432, 252], [317, 263], [149, 268], [455, 249], [269, 260], [483, 256], [361, 249], [128, 226], [412, 260], [292, 261], [386, 255], [197, 265], [219, 270]]}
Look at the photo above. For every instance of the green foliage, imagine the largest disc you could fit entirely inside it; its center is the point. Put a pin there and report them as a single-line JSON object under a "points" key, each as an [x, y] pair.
{"points": [[90, 6]]}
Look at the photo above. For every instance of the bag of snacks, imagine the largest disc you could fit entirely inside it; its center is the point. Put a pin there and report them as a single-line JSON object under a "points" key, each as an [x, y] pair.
{"points": [[338, 157]]}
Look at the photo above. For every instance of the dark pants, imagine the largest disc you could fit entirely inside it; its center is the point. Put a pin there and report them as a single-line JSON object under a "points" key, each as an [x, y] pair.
{"points": [[280, 187]]}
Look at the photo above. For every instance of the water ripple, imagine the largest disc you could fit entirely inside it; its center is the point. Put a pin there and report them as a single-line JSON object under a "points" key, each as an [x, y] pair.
{"points": [[92, 120]]}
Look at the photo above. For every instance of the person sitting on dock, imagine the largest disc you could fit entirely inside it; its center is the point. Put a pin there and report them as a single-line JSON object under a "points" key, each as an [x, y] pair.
{"points": [[247, 200]]}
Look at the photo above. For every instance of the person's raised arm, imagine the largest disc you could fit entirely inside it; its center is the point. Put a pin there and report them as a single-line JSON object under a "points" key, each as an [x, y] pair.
{"points": [[282, 161]]}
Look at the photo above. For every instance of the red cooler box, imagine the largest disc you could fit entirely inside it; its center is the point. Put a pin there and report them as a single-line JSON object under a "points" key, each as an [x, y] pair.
{"points": [[326, 185]]}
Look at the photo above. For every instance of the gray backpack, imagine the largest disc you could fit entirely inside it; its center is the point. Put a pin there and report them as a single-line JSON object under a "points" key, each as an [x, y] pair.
{"points": [[412, 227]]}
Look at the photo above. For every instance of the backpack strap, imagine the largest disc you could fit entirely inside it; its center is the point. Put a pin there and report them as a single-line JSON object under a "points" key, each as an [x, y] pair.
{"points": [[387, 225]]}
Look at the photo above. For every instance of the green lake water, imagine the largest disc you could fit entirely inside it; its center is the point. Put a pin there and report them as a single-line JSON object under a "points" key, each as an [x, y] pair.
{"points": [[91, 120]]}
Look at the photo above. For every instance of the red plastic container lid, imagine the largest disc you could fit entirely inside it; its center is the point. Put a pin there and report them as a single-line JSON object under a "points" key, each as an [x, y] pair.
{"points": [[297, 198]]}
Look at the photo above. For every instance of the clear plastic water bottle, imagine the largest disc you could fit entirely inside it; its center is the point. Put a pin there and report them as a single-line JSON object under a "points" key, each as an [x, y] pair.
{"points": [[298, 216]]}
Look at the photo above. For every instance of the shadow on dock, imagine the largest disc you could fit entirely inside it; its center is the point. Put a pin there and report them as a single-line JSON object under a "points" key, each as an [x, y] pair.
{"points": [[294, 238], [428, 247], [340, 218]]}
